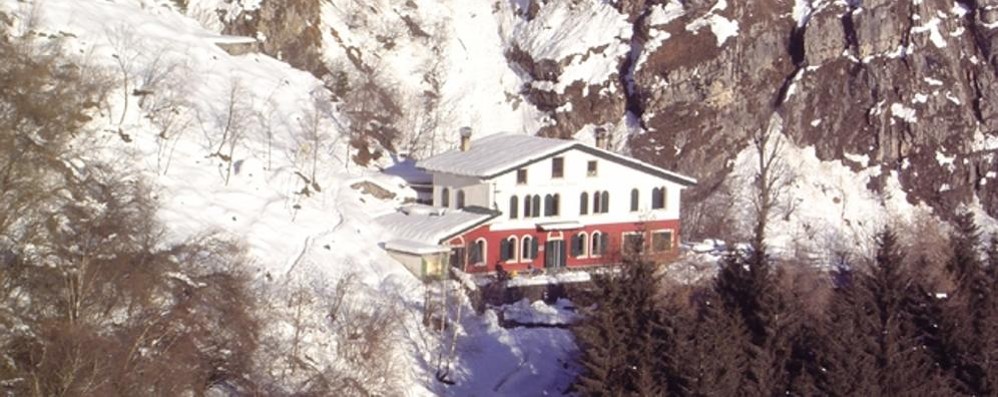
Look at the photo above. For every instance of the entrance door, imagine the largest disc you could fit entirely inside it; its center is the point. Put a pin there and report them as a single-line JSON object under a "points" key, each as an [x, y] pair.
{"points": [[554, 254]]}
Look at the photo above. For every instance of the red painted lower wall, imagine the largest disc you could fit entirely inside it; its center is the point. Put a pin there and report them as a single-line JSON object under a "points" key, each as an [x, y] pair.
{"points": [[615, 232]]}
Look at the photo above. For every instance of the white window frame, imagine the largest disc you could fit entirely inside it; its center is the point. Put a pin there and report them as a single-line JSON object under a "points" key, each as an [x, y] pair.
{"points": [[585, 245], [523, 255], [623, 242], [672, 241], [516, 249], [602, 236], [485, 252]]}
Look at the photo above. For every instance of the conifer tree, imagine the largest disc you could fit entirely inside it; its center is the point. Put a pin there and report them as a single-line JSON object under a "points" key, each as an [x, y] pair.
{"points": [[875, 346], [601, 339], [967, 342], [624, 341], [714, 349]]}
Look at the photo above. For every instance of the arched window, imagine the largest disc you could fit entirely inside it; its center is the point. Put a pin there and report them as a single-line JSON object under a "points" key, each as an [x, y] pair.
{"points": [[658, 198], [549, 205], [596, 202], [605, 202], [445, 198], [528, 209], [634, 199], [528, 250], [584, 203], [537, 205], [477, 253], [598, 244], [514, 207], [460, 199], [508, 249], [557, 205], [580, 241]]}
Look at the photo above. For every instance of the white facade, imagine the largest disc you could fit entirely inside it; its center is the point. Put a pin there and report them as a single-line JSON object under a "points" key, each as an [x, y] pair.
{"points": [[477, 193], [613, 176]]}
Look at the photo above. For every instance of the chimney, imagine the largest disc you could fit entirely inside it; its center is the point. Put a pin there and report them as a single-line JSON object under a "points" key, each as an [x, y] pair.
{"points": [[602, 138], [465, 139]]}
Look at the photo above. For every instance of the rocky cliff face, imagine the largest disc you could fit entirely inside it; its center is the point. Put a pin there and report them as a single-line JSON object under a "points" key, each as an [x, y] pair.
{"points": [[904, 85]]}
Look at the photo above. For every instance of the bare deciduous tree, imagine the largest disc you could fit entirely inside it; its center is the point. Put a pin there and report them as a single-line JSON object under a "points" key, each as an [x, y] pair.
{"points": [[123, 42], [770, 177]]}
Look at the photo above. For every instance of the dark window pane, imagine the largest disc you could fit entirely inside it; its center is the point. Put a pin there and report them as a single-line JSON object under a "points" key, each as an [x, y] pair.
{"points": [[661, 241], [584, 203], [591, 168], [521, 176], [633, 243], [557, 167], [514, 207], [634, 199]]}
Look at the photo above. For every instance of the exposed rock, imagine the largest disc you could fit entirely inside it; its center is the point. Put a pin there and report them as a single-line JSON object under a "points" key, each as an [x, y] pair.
{"points": [[373, 189], [287, 30], [909, 84]]}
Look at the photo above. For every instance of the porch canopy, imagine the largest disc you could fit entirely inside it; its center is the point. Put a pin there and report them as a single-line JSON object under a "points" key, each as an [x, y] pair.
{"points": [[563, 225]]}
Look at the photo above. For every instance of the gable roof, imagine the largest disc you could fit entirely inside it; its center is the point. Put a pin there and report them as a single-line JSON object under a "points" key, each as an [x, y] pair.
{"points": [[491, 156]]}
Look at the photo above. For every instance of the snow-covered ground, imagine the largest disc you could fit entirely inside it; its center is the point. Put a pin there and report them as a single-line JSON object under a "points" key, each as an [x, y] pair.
{"points": [[284, 140], [289, 194]]}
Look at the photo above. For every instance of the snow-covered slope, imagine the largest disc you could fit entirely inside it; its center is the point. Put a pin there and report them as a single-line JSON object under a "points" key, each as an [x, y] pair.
{"points": [[253, 148]]}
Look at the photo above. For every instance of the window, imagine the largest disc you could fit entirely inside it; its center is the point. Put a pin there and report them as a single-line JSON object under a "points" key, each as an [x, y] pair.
{"points": [[445, 198], [460, 199], [457, 257], [635, 197], [514, 207], [521, 177], [596, 202], [661, 241], [537, 205], [557, 167], [579, 243], [557, 205], [529, 248], [549, 205], [591, 168], [604, 202], [584, 203], [507, 249], [476, 254], [633, 243], [599, 243], [528, 209], [658, 198]]}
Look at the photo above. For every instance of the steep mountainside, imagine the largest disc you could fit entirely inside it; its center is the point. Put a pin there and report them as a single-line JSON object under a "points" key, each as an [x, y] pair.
{"points": [[904, 86]]}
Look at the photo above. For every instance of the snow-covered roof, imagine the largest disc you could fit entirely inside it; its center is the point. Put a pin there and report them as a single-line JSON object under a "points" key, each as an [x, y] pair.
{"points": [[414, 247], [425, 225], [494, 154], [500, 153]]}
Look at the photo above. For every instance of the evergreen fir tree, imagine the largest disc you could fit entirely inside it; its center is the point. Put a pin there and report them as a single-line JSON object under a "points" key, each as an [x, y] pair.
{"points": [[646, 342], [622, 340], [877, 349], [967, 329], [601, 339], [715, 349]]}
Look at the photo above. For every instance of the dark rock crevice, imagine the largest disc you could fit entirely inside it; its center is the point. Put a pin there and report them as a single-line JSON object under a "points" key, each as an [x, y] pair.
{"points": [[849, 30], [798, 55], [639, 35]]}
